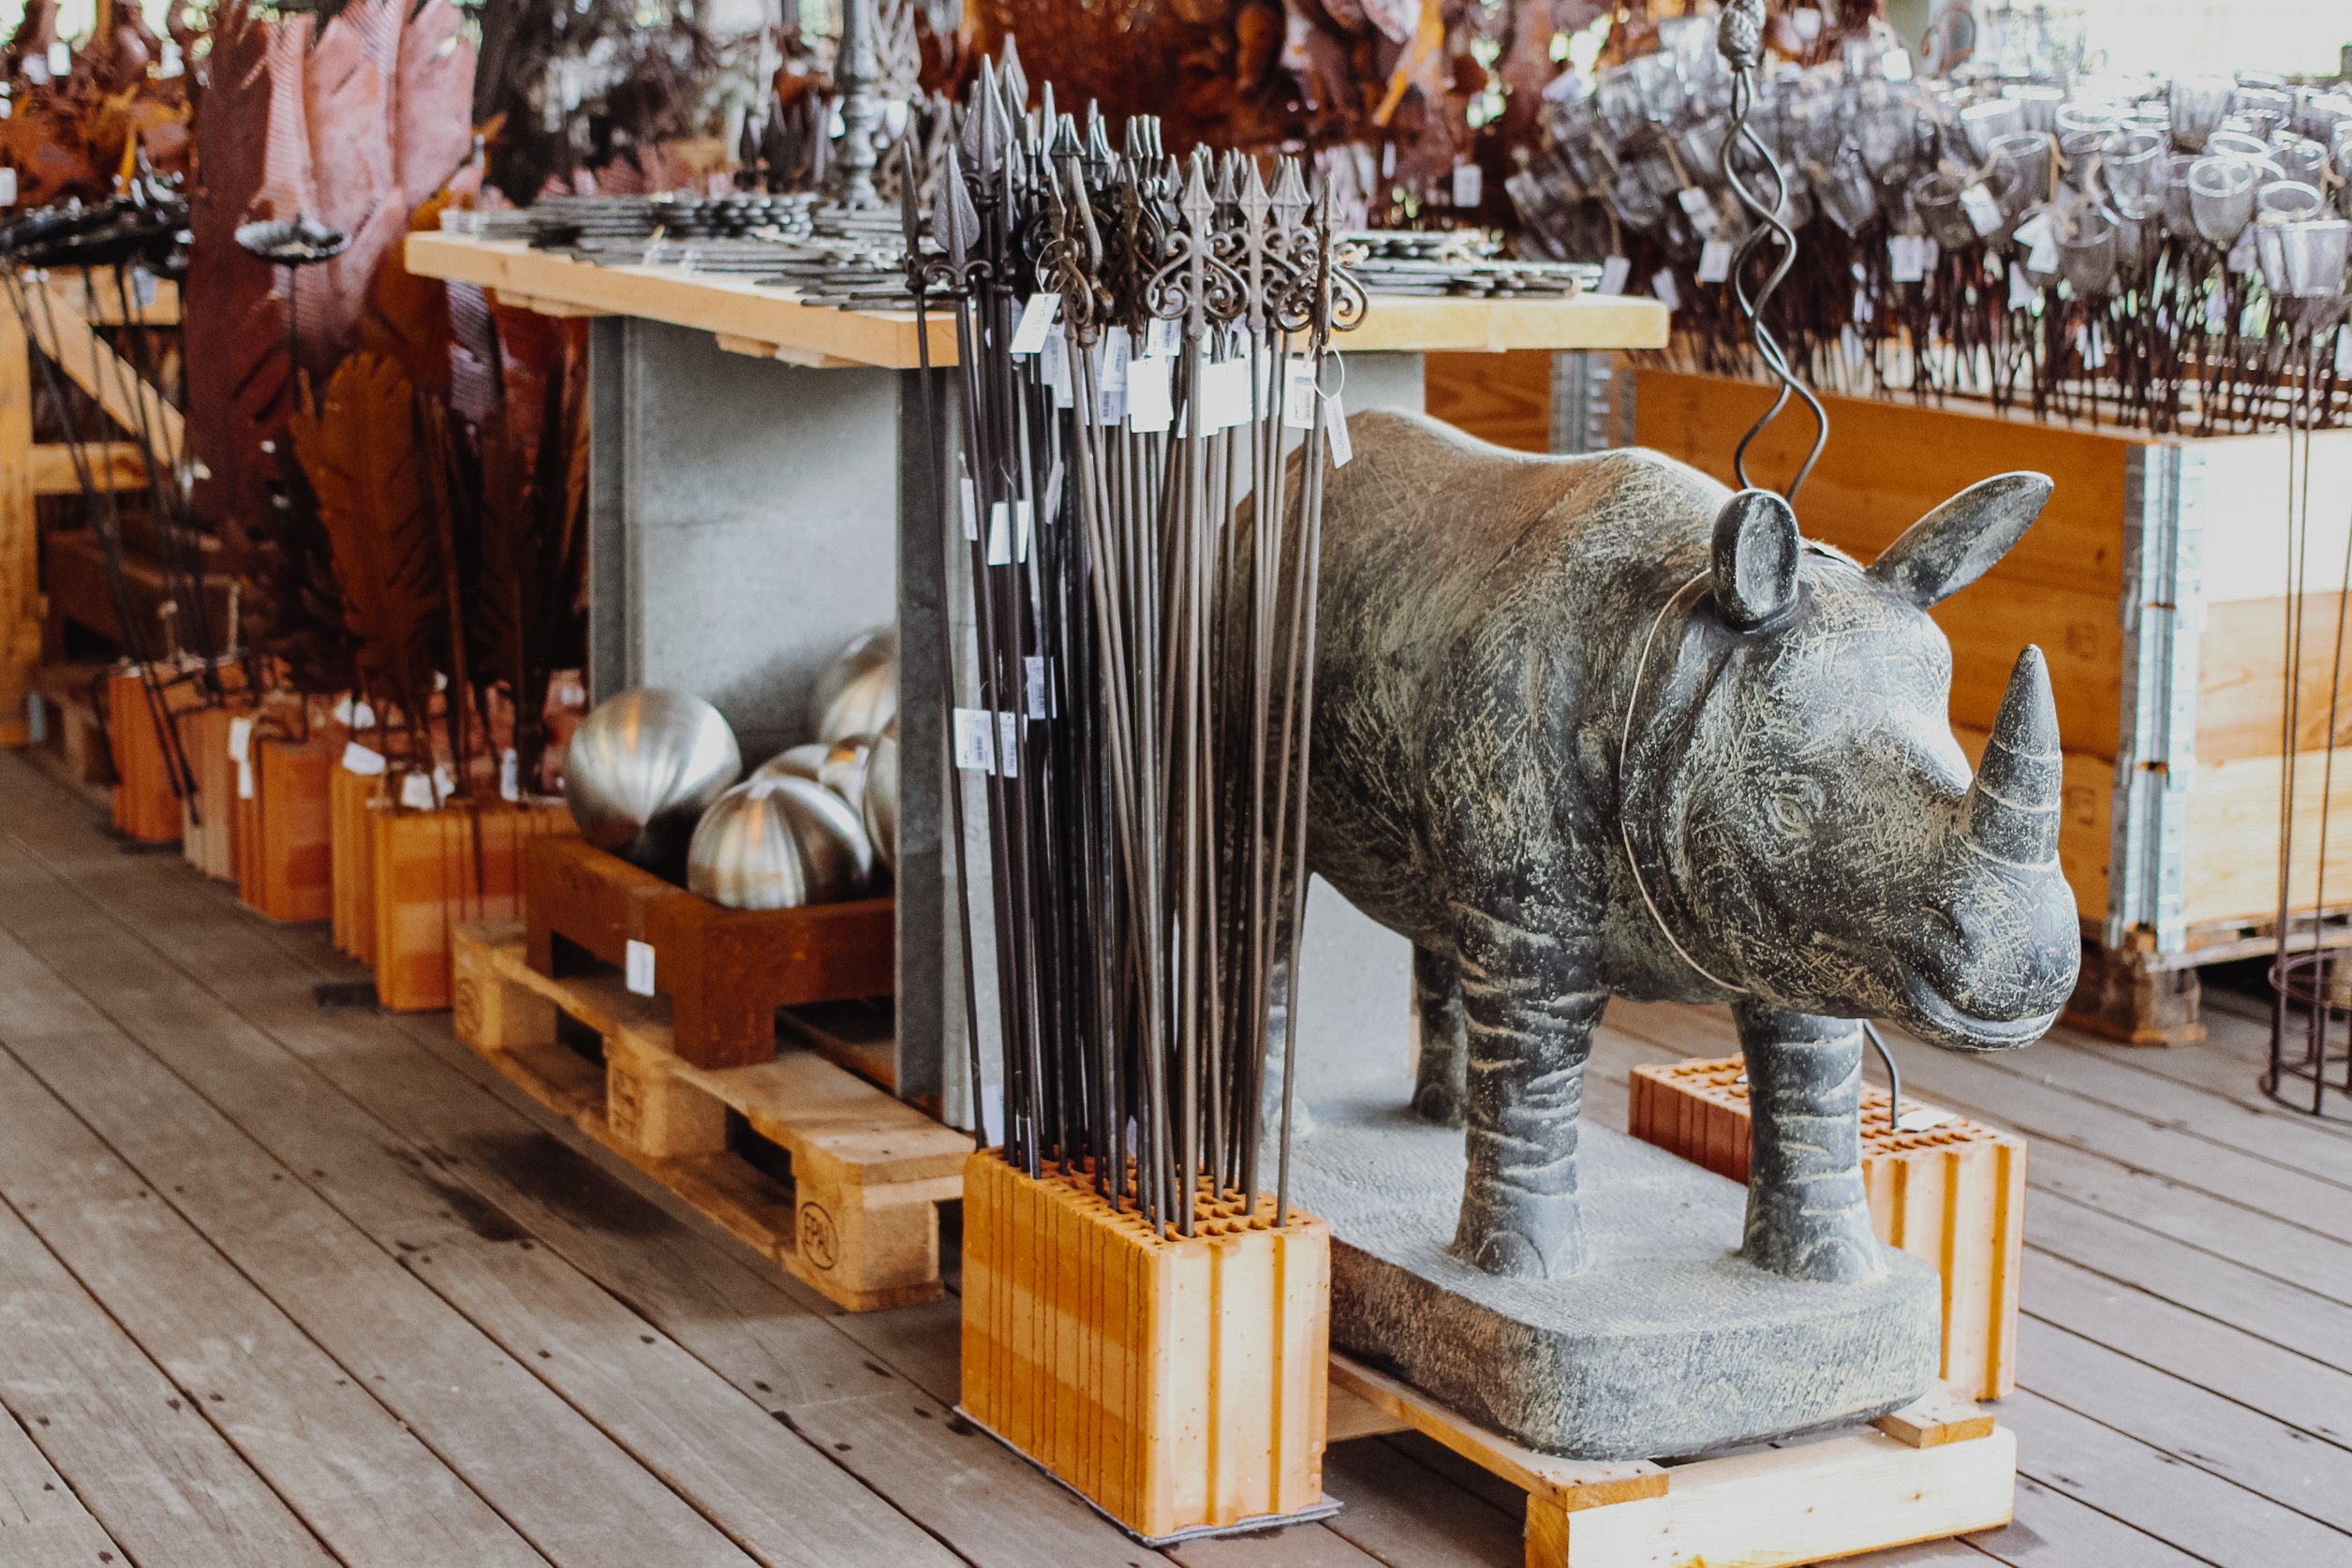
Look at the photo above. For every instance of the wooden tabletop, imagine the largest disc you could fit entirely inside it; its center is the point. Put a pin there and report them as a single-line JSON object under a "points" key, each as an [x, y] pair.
{"points": [[770, 322]]}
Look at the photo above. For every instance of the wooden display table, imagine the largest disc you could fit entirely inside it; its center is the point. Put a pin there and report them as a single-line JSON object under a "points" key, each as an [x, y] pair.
{"points": [[762, 490]]}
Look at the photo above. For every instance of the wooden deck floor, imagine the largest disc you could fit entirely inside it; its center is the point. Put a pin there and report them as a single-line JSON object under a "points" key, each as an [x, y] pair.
{"points": [[284, 1286]]}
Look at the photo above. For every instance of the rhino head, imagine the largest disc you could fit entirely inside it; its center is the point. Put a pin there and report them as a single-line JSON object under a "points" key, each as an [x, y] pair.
{"points": [[1830, 843]]}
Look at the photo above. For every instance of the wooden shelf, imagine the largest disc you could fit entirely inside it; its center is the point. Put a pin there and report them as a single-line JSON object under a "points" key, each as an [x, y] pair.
{"points": [[770, 322]]}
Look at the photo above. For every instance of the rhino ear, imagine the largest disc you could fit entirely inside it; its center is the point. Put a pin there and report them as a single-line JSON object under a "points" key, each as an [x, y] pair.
{"points": [[1755, 559], [1953, 545]]}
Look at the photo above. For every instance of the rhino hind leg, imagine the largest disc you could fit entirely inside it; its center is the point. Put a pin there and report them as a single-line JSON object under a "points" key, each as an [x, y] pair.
{"points": [[1530, 1001], [1441, 1086], [1808, 1214]]}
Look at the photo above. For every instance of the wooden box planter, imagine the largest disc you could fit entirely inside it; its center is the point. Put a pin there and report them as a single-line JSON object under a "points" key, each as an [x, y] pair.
{"points": [[351, 860], [1951, 1195], [2167, 652], [726, 970], [1178, 1385], [146, 808], [430, 870], [283, 830], [208, 821]]}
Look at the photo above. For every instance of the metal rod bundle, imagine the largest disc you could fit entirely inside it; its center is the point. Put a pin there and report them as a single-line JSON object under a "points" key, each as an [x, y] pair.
{"points": [[1147, 394]]}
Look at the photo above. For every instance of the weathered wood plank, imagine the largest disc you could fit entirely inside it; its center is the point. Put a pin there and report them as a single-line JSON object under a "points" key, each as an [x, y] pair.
{"points": [[2266, 1457], [563, 1484], [360, 1481], [2212, 1354], [1401, 1512], [151, 1469], [2200, 1513], [42, 1522]]}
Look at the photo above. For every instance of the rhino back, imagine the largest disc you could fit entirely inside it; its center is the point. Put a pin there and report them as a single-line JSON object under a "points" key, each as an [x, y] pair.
{"points": [[1473, 603]]}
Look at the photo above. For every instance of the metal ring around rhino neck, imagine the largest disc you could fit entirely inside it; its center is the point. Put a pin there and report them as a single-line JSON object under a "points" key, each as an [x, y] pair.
{"points": [[1625, 750]]}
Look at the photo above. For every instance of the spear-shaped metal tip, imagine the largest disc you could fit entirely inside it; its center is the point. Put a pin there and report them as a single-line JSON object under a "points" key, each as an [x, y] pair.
{"points": [[1099, 155], [1017, 80], [1045, 114], [1196, 205], [1255, 200], [1065, 136], [1226, 193], [955, 220], [911, 204], [988, 109], [1289, 193]]}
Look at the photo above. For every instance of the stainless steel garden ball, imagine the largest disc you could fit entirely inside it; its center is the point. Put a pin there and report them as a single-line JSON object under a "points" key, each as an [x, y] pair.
{"points": [[642, 769], [777, 844]]}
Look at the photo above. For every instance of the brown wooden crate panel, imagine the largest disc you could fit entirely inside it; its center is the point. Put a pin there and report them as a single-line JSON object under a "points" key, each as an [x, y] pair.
{"points": [[1503, 398], [431, 871], [1889, 463], [1177, 1383], [2231, 870], [857, 1220], [727, 970], [286, 869], [1952, 1195]]}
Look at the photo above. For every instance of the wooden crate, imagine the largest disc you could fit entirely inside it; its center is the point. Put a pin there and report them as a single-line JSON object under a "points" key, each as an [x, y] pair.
{"points": [[69, 724], [351, 861], [284, 829], [208, 818], [1951, 1195], [431, 871], [146, 805], [2165, 656], [856, 1218], [1177, 1383], [726, 970], [1938, 1467]]}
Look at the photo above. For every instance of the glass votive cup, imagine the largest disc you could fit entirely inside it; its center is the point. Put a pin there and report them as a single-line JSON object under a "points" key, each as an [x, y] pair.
{"points": [[2220, 198], [1986, 123], [2087, 252], [2135, 170], [1936, 196], [2025, 160], [2196, 105]]}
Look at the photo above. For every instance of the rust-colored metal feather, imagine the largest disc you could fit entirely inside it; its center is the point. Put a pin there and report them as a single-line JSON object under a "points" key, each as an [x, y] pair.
{"points": [[361, 457]]}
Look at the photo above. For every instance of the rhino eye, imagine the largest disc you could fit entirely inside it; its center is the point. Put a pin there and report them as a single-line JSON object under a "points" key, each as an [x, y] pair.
{"points": [[1791, 810]]}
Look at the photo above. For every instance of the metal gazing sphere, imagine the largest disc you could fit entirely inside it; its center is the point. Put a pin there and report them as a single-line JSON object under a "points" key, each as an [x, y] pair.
{"points": [[881, 802], [866, 701], [777, 844], [797, 761], [642, 769], [876, 645], [844, 769]]}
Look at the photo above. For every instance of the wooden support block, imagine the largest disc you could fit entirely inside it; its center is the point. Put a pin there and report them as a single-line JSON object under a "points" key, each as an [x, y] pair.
{"points": [[1176, 1382], [112, 466], [1942, 1415], [726, 970], [858, 1218], [2121, 996], [1951, 1195]]}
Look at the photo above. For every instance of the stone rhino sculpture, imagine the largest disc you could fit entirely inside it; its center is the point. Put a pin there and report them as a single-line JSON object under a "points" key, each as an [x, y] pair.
{"points": [[1597, 726]]}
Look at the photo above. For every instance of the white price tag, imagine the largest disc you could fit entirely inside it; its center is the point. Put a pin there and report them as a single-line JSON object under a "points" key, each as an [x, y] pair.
{"points": [[1024, 525], [2043, 257], [1110, 383], [1699, 208], [1009, 744], [416, 792], [1470, 185], [2344, 350], [1053, 361], [1151, 401], [1033, 669], [1053, 490], [2216, 312], [241, 752], [1984, 212], [1895, 64], [1334, 429], [1000, 534], [971, 509], [1714, 261], [640, 966], [1903, 259], [2242, 254], [2020, 288], [975, 741], [1614, 271], [1037, 319], [1851, 341], [1662, 285], [509, 775], [7, 187], [143, 286], [1224, 393], [1298, 392], [1807, 22], [1163, 338], [360, 759]]}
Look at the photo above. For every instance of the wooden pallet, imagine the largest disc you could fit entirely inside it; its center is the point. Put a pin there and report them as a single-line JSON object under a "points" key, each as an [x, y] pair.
{"points": [[1936, 1468], [1951, 1195], [726, 970], [856, 1218]]}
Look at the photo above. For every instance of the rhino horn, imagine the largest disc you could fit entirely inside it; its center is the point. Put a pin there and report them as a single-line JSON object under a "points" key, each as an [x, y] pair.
{"points": [[1953, 545], [1754, 559], [2011, 814]]}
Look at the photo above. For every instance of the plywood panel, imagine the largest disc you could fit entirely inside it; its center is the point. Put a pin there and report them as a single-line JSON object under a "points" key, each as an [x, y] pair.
{"points": [[1503, 398], [2233, 864]]}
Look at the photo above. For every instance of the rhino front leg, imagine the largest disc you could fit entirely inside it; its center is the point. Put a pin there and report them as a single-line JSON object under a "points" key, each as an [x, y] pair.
{"points": [[1807, 1215], [1441, 1085], [1529, 1000]]}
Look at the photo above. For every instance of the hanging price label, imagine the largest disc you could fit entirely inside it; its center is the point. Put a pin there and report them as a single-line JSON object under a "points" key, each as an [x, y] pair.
{"points": [[1334, 429], [971, 509], [1150, 404], [1053, 492], [2344, 350], [360, 759], [509, 775], [1009, 744], [1033, 672], [2020, 288], [1614, 271], [1298, 392], [2242, 254], [1662, 285], [1470, 185], [1053, 361], [1903, 259], [1000, 534], [1714, 261], [241, 752], [1224, 393], [1112, 383], [975, 740], [640, 965], [1037, 319], [1984, 212], [1162, 337], [1700, 210]]}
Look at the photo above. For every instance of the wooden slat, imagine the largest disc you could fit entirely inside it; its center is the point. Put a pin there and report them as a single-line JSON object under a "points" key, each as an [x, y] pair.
{"points": [[20, 535], [114, 466], [92, 364], [2054, 1530], [743, 310], [369, 1490], [42, 1521], [153, 1471], [100, 302]]}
